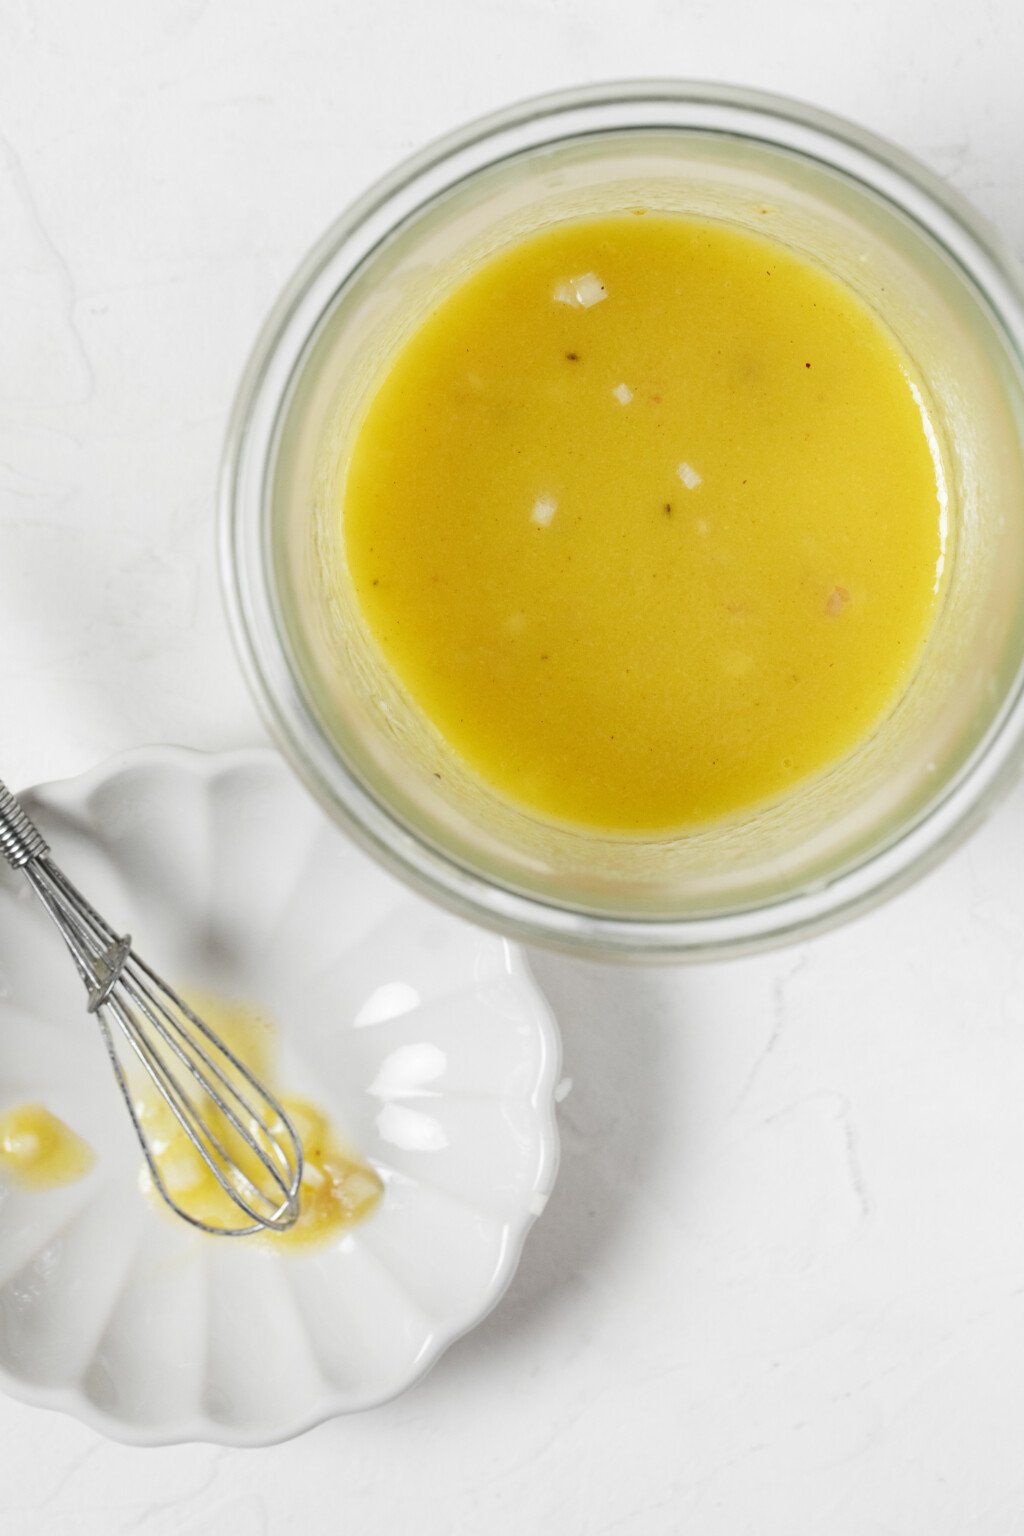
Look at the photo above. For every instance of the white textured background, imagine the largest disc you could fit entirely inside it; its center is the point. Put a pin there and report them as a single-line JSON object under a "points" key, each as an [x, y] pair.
{"points": [[780, 1289]]}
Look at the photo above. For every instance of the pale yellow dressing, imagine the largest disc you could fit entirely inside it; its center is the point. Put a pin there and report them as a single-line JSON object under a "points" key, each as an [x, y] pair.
{"points": [[646, 520]]}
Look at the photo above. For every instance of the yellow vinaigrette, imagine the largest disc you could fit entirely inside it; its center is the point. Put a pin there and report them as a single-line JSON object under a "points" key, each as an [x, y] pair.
{"points": [[646, 518], [337, 1188], [38, 1151]]}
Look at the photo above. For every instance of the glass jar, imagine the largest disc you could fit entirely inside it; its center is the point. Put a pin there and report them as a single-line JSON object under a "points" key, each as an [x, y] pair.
{"points": [[838, 843]]}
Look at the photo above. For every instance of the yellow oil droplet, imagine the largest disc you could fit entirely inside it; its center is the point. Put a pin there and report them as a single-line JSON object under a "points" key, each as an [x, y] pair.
{"points": [[39, 1151]]}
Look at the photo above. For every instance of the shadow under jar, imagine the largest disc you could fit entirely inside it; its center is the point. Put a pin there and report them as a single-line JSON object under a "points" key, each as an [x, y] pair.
{"points": [[923, 263]]}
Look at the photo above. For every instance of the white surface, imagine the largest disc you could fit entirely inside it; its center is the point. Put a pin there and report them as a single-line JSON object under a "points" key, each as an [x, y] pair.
{"points": [[780, 1286], [423, 1039]]}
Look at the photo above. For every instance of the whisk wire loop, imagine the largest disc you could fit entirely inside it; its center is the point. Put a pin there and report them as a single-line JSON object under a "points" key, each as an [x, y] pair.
{"points": [[262, 1209], [214, 1082]]}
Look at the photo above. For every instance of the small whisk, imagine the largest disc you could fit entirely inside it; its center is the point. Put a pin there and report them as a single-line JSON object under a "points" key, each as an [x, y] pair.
{"points": [[236, 1126]]}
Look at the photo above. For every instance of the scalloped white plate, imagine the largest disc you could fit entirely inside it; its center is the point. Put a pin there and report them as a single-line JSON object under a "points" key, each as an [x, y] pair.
{"points": [[425, 1039]]}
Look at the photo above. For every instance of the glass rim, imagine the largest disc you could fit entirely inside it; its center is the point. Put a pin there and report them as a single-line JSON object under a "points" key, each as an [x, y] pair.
{"points": [[245, 560]]}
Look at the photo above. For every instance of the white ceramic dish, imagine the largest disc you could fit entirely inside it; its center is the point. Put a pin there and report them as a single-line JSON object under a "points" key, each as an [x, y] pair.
{"points": [[425, 1038]]}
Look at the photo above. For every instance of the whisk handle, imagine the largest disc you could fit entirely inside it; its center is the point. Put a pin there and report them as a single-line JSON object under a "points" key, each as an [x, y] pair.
{"points": [[20, 839]]}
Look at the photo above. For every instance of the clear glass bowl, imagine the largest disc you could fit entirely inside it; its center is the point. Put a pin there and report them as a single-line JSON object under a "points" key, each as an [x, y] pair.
{"points": [[909, 246]]}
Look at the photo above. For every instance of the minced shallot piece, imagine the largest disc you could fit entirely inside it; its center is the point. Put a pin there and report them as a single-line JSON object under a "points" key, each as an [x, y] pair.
{"points": [[544, 509], [688, 475], [584, 291], [623, 393]]}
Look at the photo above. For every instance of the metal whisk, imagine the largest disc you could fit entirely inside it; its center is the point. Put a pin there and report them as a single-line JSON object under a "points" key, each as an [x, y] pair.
{"points": [[237, 1127]]}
